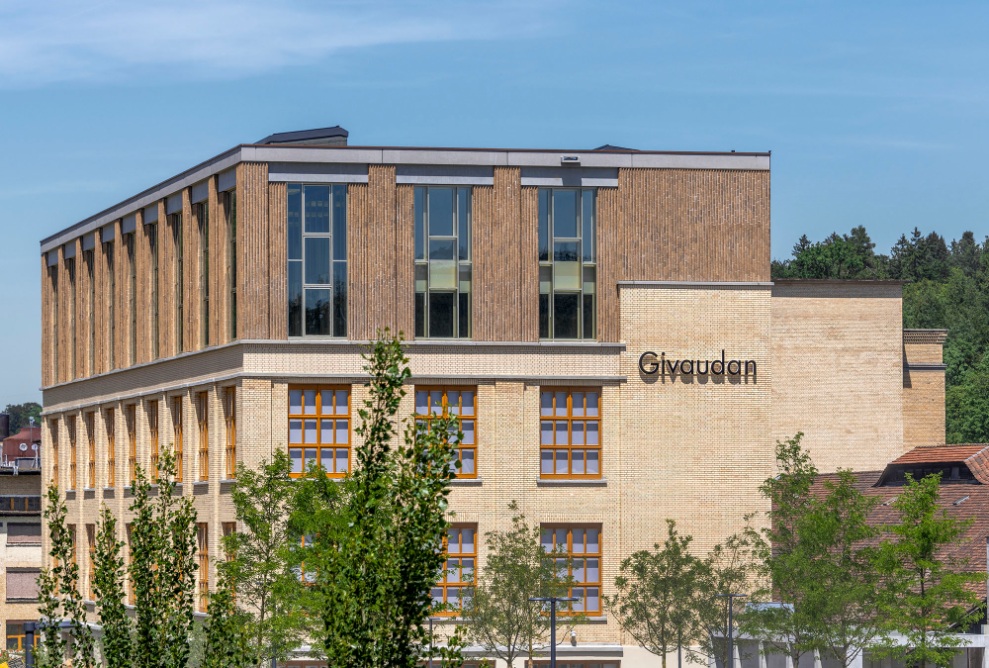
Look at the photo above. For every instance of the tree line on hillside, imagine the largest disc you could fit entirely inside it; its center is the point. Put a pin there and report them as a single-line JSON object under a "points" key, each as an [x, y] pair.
{"points": [[947, 288]]}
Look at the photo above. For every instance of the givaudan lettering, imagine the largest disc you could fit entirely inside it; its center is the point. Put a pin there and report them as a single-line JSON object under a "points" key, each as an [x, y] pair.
{"points": [[651, 364]]}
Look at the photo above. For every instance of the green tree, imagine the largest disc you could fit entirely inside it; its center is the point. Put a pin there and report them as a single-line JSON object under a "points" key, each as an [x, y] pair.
{"points": [[934, 598], [108, 588], [258, 557], [21, 414], [658, 595], [500, 617], [374, 545], [227, 631]]}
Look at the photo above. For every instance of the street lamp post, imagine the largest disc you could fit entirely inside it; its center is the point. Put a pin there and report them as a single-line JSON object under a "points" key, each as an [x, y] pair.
{"points": [[731, 629], [552, 600]]}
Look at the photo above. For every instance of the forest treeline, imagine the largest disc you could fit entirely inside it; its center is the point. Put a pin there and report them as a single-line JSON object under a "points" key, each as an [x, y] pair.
{"points": [[947, 287]]}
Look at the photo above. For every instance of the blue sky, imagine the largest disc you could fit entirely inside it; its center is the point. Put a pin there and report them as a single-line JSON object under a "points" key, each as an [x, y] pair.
{"points": [[876, 112]]}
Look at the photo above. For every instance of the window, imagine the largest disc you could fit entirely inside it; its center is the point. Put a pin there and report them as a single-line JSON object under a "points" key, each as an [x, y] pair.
{"points": [[202, 220], [570, 433], [152, 411], [459, 576], [53, 432], [22, 584], [131, 298], [230, 416], [73, 542], [111, 306], [582, 546], [111, 448], [435, 402], [442, 262], [175, 220], [229, 529], [202, 555], [230, 209], [91, 438], [70, 426], [202, 414], [317, 260], [152, 231], [177, 435], [130, 416], [319, 429], [29, 534], [567, 263], [16, 635], [91, 559]]}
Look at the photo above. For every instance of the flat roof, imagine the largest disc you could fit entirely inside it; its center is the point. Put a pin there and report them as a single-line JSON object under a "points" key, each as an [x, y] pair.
{"points": [[430, 156]]}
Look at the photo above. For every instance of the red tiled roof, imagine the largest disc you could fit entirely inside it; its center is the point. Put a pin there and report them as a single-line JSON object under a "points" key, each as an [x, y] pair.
{"points": [[974, 455]]}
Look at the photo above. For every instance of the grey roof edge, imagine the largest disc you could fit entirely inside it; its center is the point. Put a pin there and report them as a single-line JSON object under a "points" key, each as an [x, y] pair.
{"points": [[694, 284]]}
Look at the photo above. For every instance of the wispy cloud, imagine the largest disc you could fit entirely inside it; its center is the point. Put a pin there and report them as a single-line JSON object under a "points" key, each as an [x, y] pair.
{"points": [[71, 40]]}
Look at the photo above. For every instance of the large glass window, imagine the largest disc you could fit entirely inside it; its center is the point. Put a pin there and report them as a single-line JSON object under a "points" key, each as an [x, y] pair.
{"points": [[317, 260], [459, 577], [443, 262], [567, 263], [570, 433], [432, 403], [319, 429], [582, 547]]}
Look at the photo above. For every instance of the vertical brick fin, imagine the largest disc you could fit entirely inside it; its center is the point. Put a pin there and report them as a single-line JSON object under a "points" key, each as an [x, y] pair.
{"points": [[190, 279], [357, 260], [166, 279], [381, 182], [610, 262], [47, 377], [485, 263], [404, 261], [253, 251], [217, 306], [64, 357], [120, 312], [80, 319], [275, 201], [99, 314], [529, 299], [142, 253]]}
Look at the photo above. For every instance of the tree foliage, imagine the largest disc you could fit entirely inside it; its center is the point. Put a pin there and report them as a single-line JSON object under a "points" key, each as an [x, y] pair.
{"points": [[948, 288], [21, 414], [500, 617], [108, 588], [228, 640]]}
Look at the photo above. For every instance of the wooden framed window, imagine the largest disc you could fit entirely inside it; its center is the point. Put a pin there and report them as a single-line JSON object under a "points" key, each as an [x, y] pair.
{"points": [[152, 411], [319, 429], [90, 559], [230, 418], [177, 436], [570, 433], [16, 636], [459, 577], [228, 529], [70, 426], [53, 434], [109, 415], [582, 546], [91, 441], [202, 556], [130, 417], [434, 402], [202, 414]]}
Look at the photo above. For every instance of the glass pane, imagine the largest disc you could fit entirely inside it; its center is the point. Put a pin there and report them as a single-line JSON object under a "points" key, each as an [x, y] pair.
{"points": [[467, 402], [463, 221], [592, 404], [589, 320], [543, 316], [310, 458], [341, 403], [295, 401], [592, 433], [577, 462], [546, 462], [545, 403], [422, 405], [577, 401], [566, 276], [592, 462], [295, 431], [442, 275], [318, 311], [318, 260], [436, 402], [295, 297], [593, 599], [467, 570], [593, 536], [578, 541], [295, 456], [453, 596], [463, 312], [546, 539], [464, 279], [543, 225], [578, 569], [422, 277], [467, 462], [343, 465], [545, 279], [467, 427], [442, 249], [420, 315], [546, 433], [437, 594], [317, 209], [342, 432], [294, 222], [420, 214], [309, 402], [587, 219], [577, 433], [566, 251], [561, 462], [339, 222], [467, 538], [578, 605], [440, 212], [310, 433], [565, 316], [326, 459], [441, 315], [326, 432], [561, 403], [565, 213], [593, 569], [326, 402], [340, 299], [590, 280]]}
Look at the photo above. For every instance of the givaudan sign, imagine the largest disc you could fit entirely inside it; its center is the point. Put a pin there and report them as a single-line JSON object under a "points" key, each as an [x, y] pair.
{"points": [[651, 364]]}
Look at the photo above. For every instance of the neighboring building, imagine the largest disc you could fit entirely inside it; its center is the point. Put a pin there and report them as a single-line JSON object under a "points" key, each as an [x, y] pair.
{"points": [[603, 321], [20, 533]]}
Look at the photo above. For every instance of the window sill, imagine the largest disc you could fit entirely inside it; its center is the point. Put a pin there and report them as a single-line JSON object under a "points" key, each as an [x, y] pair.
{"points": [[575, 482], [109, 492], [200, 487], [70, 494], [466, 482]]}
